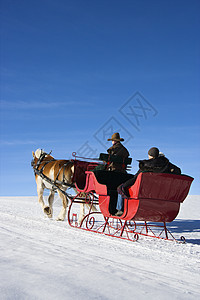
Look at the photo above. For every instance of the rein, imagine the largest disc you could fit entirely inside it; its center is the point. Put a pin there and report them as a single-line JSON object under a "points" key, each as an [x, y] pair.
{"points": [[40, 159], [41, 174], [82, 157], [63, 182], [55, 186], [53, 183]]}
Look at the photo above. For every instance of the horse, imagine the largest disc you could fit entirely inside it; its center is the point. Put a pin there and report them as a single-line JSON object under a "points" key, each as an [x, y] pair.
{"points": [[48, 171]]}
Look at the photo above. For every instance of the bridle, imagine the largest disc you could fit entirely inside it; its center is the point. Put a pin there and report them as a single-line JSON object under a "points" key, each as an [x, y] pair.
{"points": [[40, 160]]}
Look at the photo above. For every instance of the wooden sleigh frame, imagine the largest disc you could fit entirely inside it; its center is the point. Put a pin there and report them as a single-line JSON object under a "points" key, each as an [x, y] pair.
{"points": [[154, 200]]}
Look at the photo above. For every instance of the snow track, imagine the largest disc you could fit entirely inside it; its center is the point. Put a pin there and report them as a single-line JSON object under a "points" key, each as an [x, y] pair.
{"points": [[45, 259]]}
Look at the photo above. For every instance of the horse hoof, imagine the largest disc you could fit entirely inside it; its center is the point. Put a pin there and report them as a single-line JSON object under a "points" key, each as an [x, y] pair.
{"points": [[59, 219], [47, 211]]}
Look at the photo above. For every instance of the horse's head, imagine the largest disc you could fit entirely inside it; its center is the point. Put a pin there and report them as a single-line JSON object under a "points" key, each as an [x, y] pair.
{"points": [[38, 156], [38, 153]]}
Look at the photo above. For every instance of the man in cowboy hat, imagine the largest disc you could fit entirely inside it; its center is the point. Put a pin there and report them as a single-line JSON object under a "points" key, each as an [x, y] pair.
{"points": [[117, 149]]}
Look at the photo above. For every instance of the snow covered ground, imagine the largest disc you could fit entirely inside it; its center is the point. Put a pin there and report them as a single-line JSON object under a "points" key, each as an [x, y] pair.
{"points": [[46, 259]]}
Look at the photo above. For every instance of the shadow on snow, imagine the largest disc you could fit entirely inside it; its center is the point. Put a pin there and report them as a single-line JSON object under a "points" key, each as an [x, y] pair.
{"points": [[185, 226]]}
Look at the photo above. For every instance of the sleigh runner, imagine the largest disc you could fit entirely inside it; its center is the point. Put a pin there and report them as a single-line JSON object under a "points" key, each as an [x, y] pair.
{"points": [[154, 200]]}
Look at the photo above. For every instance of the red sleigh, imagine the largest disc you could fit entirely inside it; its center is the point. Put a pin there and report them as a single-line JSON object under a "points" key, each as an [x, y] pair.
{"points": [[154, 200]]}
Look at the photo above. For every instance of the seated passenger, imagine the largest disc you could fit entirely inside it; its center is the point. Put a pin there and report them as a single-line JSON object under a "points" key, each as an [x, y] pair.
{"points": [[117, 149], [157, 163]]}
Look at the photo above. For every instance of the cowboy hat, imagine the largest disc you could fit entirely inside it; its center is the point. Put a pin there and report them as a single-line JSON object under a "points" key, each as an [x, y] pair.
{"points": [[116, 137]]}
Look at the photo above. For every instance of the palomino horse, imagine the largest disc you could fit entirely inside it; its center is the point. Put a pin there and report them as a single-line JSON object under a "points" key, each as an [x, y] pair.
{"points": [[59, 171]]}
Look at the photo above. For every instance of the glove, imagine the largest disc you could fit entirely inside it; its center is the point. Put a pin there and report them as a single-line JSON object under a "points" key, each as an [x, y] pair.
{"points": [[121, 191]]}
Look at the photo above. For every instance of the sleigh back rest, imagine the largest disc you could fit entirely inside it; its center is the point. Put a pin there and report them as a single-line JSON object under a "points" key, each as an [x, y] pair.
{"points": [[80, 167], [103, 182], [161, 186], [111, 179]]}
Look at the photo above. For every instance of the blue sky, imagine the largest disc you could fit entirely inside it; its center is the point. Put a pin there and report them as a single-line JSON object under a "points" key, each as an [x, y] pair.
{"points": [[74, 72]]}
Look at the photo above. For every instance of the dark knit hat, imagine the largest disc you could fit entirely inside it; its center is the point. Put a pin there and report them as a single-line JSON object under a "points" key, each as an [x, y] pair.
{"points": [[154, 152]]}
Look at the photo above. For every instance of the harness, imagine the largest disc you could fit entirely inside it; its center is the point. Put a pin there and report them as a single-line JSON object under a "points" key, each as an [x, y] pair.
{"points": [[63, 182], [55, 182]]}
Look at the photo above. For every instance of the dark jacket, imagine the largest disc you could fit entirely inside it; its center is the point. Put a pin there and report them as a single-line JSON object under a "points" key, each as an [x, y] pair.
{"points": [[119, 150], [156, 165]]}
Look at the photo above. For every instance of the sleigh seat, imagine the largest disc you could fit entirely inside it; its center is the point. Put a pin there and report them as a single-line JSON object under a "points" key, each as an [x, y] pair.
{"points": [[154, 197]]}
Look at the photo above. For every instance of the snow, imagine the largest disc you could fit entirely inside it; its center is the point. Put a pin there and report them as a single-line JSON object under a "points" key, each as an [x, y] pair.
{"points": [[45, 259]]}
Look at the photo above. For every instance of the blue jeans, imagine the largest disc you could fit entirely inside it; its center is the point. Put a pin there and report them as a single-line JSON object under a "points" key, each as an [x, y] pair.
{"points": [[120, 202]]}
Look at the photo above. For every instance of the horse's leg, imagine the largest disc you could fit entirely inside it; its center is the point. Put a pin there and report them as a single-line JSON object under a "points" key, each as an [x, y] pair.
{"points": [[81, 213], [40, 191], [62, 214], [49, 209], [50, 200], [93, 208], [82, 210]]}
